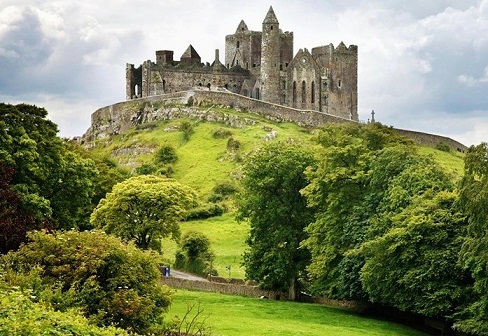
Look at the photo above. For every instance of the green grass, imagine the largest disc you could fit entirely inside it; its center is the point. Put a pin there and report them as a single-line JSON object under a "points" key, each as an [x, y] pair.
{"points": [[452, 162], [233, 315], [227, 238]]}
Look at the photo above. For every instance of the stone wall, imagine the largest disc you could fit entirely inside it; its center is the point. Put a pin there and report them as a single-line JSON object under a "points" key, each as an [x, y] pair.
{"points": [[117, 118]]}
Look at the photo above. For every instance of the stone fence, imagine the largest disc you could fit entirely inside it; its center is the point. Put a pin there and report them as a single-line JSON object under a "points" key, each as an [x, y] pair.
{"points": [[117, 118]]}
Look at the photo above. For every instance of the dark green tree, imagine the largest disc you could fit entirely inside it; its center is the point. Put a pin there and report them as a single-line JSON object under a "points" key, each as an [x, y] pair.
{"points": [[474, 254], [195, 254], [53, 183], [271, 201]]}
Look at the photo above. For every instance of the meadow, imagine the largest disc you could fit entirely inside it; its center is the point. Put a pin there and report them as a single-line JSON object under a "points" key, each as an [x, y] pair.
{"points": [[233, 315]]}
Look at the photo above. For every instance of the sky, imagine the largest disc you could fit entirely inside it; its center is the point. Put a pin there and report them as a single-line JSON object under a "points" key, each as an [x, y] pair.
{"points": [[423, 65]]}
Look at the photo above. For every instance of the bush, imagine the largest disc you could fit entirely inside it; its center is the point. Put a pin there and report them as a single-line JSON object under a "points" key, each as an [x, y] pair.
{"points": [[233, 145], [187, 128], [195, 255], [165, 155], [221, 191], [203, 212], [443, 147], [111, 282], [221, 133], [19, 315], [146, 169]]}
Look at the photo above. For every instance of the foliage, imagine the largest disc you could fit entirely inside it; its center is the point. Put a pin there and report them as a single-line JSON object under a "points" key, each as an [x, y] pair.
{"points": [[203, 212], [443, 147], [144, 209], [365, 176], [111, 282], [414, 265], [146, 169], [233, 145], [14, 223], [166, 154], [474, 254], [20, 316], [186, 127], [222, 190], [271, 201], [53, 183], [193, 323], [195, 255], [221, 133]]}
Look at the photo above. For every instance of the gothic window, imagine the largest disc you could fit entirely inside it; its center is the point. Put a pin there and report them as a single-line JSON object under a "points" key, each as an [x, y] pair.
{"points": [[244, 92], [312, 98], [257, 93], [304, 90], [294, 91]]}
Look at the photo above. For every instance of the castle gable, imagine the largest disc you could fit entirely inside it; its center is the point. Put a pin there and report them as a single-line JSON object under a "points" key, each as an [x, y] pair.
{"points": [[242, 27]]}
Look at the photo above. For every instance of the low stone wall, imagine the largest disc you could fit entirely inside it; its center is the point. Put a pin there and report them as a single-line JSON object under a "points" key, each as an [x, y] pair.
{"points": [[223, 288]]}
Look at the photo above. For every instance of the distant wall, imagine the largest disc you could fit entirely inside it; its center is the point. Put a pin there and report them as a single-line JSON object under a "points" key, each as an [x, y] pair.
{"points": [[117, 118]]}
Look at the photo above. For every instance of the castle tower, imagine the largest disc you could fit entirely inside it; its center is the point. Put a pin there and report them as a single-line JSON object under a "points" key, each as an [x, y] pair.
{"points": [[270, 59]]}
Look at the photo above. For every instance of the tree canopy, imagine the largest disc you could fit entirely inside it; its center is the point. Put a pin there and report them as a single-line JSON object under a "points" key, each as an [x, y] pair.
{"points": [[144, 209], [271, 201]]}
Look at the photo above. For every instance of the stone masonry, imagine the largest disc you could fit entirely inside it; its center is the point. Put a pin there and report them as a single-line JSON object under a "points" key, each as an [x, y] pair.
{"points": [[259, 65]]}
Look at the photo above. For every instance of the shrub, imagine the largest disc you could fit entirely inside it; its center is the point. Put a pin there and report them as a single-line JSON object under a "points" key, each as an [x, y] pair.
{"points": [[203, 212], [221, 133], [146, 169], [187, 128], [233, 145], [166, 154], [221, 191], [19, 315], [190, 101], [195, 255], [443, 147], [111, 282]]}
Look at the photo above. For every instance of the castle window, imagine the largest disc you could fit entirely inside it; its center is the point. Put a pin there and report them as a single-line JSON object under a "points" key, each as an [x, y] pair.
{"points": [[271, 27], [283, 84], [304, 90], [257, 93], [339, 84], [294, 92], [312, 100], [244, 92], [238, 44]]}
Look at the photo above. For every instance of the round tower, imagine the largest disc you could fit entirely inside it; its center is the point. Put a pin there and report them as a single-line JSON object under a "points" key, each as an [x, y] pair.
{"points": [[270, 59]]}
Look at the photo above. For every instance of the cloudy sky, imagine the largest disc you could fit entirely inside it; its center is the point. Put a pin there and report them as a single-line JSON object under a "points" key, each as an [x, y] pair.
{"points": [[423, 65]]}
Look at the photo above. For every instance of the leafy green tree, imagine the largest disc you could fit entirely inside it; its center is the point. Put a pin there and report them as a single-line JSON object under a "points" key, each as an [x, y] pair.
{"points": [[413, 266], [474, 254], [53, 183], [111, 282], [144, 209], [271, 201], [20, 316], [195, 254], [166, 154]]}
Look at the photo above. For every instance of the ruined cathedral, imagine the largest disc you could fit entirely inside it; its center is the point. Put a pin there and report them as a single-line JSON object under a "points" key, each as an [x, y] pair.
{"points": [[259, 65]]}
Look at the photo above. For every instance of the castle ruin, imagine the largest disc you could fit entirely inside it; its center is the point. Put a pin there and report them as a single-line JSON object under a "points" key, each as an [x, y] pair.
{"points": [[259, 65]]}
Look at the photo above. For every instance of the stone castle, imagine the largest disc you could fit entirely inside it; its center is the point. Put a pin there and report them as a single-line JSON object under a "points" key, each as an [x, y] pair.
{"points": [[259, 65]]}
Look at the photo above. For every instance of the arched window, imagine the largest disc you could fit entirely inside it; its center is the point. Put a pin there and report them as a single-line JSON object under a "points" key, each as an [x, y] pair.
{"points": [[294, 91], [312, 98], [257, 93], [304, 92], [244, 92]]}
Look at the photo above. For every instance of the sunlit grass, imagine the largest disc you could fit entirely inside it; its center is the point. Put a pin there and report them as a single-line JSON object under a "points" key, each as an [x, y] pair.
{"points": [[233, 315]]}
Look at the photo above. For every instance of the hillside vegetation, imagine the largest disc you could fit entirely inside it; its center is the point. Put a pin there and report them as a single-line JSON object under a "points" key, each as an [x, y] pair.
{"points": [[211, 154]]}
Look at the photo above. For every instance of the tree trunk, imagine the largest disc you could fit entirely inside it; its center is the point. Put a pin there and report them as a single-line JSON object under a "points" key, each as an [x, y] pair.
{"points": [[292, 289]]}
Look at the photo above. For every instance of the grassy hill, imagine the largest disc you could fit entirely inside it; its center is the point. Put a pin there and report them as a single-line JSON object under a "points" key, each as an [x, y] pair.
{"points": [[212, 155]]}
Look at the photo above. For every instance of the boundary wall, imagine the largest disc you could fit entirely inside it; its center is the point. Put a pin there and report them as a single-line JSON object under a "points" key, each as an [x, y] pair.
{"points": [[117, 118]]}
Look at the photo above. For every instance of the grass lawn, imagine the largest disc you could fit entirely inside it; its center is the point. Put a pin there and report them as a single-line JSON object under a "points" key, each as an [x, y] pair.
{"points": [[227, 238], [228, 315]]}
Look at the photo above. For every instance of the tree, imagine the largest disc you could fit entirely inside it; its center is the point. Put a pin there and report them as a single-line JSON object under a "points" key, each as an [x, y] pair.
{"points": [[474, 253], [271, 201], [195, 255], [144, 209], [413, 266], [52, 183], [112, 283]]}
